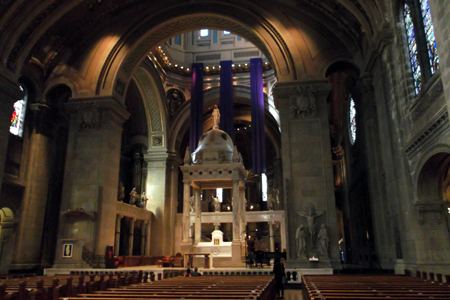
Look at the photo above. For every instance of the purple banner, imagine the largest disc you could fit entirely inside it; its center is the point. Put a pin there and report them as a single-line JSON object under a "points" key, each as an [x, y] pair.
{"points": [[226, 98], [196, 129], [258, 131]]}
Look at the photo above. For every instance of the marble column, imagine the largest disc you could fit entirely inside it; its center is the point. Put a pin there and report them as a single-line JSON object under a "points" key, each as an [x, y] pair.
{"points": [[186, 211], [143, 237], [117, 239], [131, 236], [236, 212], [9, 93], [148, 229], [283, 233], [89, 199], [271, 237], [307, 164], [243, 223], [198, 216]]}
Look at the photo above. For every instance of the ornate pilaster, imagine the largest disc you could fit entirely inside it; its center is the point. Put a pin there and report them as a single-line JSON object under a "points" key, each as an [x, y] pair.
{"points": [[88, 208], [306, 156]]}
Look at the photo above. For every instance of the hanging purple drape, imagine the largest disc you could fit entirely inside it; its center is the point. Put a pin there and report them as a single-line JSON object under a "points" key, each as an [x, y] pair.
{"points": [[226, 98], [258, 133], [196, 129]]}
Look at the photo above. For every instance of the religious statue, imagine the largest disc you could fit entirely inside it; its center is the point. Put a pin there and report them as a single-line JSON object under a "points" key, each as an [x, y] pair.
{"points": [[133, 194], [121, 193], [191, 204], [310, 215], [216, 117], [271, 202], [144, 199], [300, 237], [216, 203], [324, 241]]}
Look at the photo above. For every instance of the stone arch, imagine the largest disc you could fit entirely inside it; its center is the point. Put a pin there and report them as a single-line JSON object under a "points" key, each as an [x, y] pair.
{"points": [[119, 67], [429, 176], [155, 107], [6, 238]]}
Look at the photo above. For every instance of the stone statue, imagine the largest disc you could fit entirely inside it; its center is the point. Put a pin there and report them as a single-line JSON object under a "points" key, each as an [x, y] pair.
{"points": [[144, 199], [300, 237], [216, 203], [310, 214], [121, 193], [138, 202], [324, 241], [271, 202], [133, 194], [216, 117], [191, 204]]}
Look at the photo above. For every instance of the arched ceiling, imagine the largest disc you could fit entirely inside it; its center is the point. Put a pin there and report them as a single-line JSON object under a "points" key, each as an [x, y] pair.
{"points": [[98, 41]]}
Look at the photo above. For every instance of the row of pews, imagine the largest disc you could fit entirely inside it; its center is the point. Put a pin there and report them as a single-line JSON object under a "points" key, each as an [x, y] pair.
{"points": [[54, 287], [192, 288], [334, 287], [137, 285]]}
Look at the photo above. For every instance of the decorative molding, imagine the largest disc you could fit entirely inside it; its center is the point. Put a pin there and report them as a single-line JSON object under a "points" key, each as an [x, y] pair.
{"points": [[150, 97], [430, 210], [89, 115], [303, 101], [425, 99], [430, 130], [157, 141]]}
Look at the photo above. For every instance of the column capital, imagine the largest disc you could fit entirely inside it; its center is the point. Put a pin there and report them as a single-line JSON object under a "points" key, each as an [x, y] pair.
{"points": [[93, 112], [301, 97]]}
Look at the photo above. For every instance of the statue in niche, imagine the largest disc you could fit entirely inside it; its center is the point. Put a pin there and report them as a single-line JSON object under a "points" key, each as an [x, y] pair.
{"points": [[133, 194], [324, 241], [216, 203], [121, 192], [175, 99], [216, 117], [310, 214], [300, 237]]}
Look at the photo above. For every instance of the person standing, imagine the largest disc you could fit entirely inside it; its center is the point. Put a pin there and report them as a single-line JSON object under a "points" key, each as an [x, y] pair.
{"points": [[278, 272]]}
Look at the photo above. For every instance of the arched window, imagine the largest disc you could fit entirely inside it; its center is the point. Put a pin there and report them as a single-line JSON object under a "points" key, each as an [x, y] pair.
{"points": [[421, 41], [352, 120], [18, 116]]}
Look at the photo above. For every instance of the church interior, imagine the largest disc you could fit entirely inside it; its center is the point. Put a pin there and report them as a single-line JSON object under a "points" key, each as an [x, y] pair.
{"points": [[143, 130]]}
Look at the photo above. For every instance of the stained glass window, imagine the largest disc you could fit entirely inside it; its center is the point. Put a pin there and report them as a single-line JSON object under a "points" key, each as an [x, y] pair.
{"points": [[429, 35], [412, 47], [18, 116], [352, 121]]}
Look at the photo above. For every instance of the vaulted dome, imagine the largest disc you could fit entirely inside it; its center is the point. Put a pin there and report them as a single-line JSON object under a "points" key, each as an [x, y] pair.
{"points": [[214, 147]]}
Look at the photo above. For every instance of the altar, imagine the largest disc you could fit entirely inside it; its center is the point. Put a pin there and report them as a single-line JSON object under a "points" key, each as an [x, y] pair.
{"points": [[215, 164]]}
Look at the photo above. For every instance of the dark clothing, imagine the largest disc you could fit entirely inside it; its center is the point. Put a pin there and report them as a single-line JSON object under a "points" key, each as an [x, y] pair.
{"points": [[278, 272]]}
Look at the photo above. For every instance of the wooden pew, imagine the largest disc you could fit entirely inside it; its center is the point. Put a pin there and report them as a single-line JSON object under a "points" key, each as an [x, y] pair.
{"points": [[372, 287]]}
